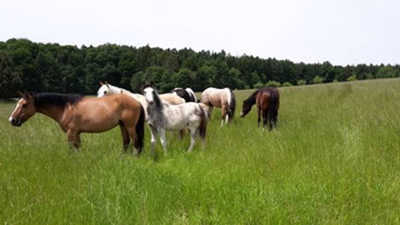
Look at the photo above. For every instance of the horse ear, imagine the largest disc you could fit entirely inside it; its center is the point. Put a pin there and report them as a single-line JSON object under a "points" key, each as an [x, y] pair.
{"points": [[107, 84], [27, 95], [20, 94], [101, 83]]}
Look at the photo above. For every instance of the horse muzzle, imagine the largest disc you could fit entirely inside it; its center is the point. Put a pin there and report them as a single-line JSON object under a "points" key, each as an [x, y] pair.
{"points": [[16, 122]]}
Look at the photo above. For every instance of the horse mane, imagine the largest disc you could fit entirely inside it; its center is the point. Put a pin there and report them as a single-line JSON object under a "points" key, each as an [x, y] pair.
{"points": [[61, 100], [252, 97]]}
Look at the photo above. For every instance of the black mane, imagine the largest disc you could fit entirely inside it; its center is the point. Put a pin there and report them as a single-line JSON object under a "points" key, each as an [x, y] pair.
{"points": [[252, 98], [62, 100]]}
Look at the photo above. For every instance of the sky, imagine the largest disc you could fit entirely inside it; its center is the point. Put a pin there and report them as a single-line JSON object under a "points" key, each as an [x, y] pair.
{"points": [[311, 31]]}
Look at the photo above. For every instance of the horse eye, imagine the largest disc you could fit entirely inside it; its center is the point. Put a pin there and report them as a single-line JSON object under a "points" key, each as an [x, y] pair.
{"points": [[24, 105], [105, 92]]}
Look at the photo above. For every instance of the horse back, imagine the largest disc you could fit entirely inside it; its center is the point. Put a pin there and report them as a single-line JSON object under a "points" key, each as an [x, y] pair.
{"points": [[172, 99], [263, 98], [215, 97], [110, 105]]}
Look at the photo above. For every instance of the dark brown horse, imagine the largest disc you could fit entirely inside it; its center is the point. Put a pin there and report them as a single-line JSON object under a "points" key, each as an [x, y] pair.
{"points": [[267, 100], [76, 114]]}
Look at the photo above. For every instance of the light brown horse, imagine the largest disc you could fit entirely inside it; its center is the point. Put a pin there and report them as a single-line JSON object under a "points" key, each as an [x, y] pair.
{"points": [[76, 114], [220, 98]]}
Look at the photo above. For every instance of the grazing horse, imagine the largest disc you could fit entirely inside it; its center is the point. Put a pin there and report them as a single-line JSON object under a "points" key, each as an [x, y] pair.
{"points": [[186, 94], [220, 98], [76, 114], [108, 89], [163, 116], [267, 100]]}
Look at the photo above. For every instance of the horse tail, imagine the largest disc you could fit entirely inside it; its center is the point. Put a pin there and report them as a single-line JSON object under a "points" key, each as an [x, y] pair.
{"points": [[273, 107], [140, 129], [203, 122], [232, 105]]}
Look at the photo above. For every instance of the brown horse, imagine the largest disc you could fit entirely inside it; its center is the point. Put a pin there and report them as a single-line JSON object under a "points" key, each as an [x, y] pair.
{"points": [[267, 100], [220, 98], [76, 114]]}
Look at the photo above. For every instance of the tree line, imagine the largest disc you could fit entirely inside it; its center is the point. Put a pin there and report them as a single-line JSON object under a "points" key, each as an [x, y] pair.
{"points": [[38, 67]]}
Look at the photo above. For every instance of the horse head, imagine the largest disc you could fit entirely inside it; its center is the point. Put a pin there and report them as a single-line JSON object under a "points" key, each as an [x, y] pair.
{"points": [[105, 89], [24, 110], [149, 92], [245, 108]]}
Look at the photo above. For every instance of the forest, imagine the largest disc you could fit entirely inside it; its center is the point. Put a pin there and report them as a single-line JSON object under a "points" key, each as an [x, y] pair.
{"points": [[51, 67]]}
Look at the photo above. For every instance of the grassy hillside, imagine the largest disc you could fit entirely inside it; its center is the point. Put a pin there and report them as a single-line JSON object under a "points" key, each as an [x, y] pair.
{"points": [[334, 159]]}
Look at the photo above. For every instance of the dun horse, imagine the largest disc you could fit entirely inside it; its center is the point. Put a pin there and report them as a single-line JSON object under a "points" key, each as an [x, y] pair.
{"points": [[76, 114], [186, 94], [163, 116], [267, 100], [108, 89], [220, 98]]}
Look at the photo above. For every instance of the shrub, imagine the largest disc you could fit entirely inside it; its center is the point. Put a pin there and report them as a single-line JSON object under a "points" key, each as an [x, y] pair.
{"points": [[317, 80], [287, 84], [258, 85], [301, 82], [273, 83], [369, 76], [352, 78]]}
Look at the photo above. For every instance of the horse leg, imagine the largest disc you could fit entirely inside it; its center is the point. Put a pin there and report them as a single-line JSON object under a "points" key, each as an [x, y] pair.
{"points": [[210, 110], [192, 138], [265, 118], [163, 140], [134, 138], [272, 121], [259, 117], [224, 114], [182, 133], [125, 136], [73, 139], [153, 132]]}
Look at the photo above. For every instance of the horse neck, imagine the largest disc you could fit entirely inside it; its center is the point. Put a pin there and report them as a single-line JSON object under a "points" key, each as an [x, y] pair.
{"points": [[156, 112], [252, 99], [157, 101], [54, 112], [116, 90]]}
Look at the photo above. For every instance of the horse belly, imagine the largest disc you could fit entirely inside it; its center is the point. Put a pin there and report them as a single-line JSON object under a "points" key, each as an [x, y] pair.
{"points": [[176, 120], [97, 122], [215, 101]]}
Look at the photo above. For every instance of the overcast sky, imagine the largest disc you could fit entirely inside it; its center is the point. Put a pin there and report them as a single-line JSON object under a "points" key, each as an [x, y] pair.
{"points": [[339, 31]]}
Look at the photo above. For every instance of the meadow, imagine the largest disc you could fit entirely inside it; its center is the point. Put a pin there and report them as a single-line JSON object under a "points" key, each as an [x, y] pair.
{"points": [[334, 159]]}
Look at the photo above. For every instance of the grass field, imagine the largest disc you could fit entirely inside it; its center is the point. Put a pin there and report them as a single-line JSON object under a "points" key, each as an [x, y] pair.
{"points": [[334, 159]]}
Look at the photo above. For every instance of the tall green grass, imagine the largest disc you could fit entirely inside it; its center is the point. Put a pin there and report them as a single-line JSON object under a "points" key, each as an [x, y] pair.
{"points": [[334, 159]]}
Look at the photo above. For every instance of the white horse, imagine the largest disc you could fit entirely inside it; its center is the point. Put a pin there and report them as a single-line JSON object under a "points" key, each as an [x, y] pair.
{"points": [[163, 116], [108, 89], [220, 98]]}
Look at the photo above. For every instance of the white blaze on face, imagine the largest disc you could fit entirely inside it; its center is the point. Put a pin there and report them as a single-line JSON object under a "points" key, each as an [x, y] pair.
{"points": [[16, 107], [148, 94], [102, 91]]}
